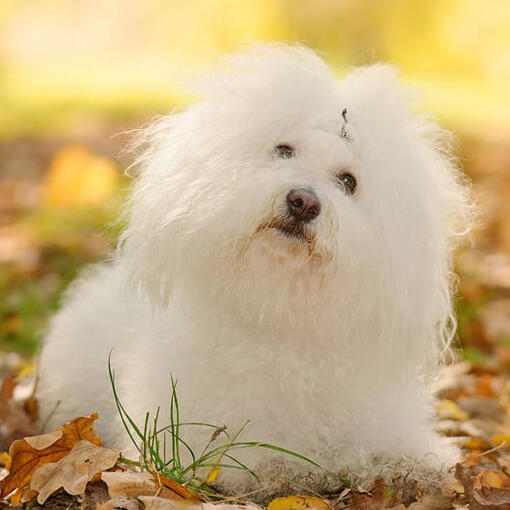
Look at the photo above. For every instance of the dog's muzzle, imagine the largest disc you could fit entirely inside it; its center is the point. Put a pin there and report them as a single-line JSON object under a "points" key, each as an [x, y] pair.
{"points": [[303, 206]]}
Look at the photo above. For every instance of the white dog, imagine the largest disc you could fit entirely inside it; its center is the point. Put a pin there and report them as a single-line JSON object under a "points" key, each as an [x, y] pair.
{"points": [[288, 258]]}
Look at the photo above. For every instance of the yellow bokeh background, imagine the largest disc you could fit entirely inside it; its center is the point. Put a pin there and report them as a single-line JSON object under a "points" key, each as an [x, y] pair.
{"points": [[64, 60]]}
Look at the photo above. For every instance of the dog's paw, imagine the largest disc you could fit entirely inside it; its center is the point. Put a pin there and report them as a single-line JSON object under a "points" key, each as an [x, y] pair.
{"points": [[278, 477]]}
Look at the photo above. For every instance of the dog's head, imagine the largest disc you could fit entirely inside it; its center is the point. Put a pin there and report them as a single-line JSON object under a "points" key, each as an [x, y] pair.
{"points": [[285, 190]]}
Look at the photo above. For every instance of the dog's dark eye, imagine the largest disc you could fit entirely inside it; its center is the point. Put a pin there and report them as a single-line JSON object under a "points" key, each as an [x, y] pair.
{"points": [[347, 183], [284, 151]]}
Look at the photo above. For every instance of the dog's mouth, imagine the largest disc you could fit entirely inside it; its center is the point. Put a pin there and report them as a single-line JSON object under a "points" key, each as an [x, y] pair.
{"points": [[289, 228]]}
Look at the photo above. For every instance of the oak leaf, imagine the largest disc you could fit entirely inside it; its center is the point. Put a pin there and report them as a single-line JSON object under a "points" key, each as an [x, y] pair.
{"points": [[129, 484], [133, 485], [31, 453], [492, 488], [74, 471]]}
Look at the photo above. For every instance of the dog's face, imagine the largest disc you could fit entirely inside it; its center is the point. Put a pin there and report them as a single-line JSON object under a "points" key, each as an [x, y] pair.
{"points": [[283, 193]]}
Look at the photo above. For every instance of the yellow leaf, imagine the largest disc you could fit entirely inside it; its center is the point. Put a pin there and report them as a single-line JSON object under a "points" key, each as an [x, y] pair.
{"points": [[25, 369], [501, 435], [213, 473], [298, 503], [5, 459], [499, 439], [494, 479], [449, 410], [476, 444], [78, 177]]}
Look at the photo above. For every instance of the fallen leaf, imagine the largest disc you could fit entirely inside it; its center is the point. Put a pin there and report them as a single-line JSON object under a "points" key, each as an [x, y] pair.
{"points": [[466, 476], [298, 503], [31, 453], [104, 506], [432, 502], [213, 474], [481, 407], [44, 440], [501, 436], [78, 177], [5, 460], [492, 497], [128, 484], [474, 443], [6, 391], [449, 410], [157, 503], [370, 500], [15, 421], [494, 479], [176, 488], [132, 485], [488, 488], [485, 386], [121, 503], [74, 471], [31, 407]]}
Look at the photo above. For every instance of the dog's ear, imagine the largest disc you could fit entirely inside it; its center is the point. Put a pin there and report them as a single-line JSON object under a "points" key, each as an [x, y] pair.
{"points": [[385, 110], [376, 99], [149, 251], [379, 103]]}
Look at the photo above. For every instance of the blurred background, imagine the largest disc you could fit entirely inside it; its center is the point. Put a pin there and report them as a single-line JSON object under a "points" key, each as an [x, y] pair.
{"points": [[76, 75]]}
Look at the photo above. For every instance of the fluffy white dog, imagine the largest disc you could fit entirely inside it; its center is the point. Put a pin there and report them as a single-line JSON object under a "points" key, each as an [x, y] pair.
{"points": [[288, 258]]}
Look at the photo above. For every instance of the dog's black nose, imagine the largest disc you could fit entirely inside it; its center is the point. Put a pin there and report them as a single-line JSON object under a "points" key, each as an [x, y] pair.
{"points": [[304, 205]]}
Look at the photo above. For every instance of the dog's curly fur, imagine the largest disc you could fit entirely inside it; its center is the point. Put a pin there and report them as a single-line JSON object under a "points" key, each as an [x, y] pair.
{"points": [[326, 341]]}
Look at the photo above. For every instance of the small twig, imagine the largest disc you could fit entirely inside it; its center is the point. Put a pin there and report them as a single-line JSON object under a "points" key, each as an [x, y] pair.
{"points": [[48, 418]]}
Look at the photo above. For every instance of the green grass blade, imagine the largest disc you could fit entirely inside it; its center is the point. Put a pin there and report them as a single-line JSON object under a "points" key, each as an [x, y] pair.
{"points": [[120, 408]]}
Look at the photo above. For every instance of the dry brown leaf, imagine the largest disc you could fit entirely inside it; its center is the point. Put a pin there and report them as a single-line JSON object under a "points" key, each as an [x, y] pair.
{"points": [[31, 408], [6, 391], [492, 497], [125, 504], [26, 458], [128, 484], [44, 441], [104, 506], [370, 500], [489, 488], [158, 503], [179, 491], [494, 479], [432, 502], [15, 421], [298, 503], [74, 471], [132, 485]]}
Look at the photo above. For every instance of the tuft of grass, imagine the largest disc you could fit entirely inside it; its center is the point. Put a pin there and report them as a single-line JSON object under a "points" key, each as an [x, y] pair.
{"points": [[191, 469]]}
